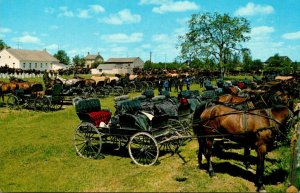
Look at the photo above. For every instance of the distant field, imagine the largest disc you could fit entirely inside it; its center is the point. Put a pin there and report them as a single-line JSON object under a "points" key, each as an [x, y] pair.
{"points": [[37, 155]]}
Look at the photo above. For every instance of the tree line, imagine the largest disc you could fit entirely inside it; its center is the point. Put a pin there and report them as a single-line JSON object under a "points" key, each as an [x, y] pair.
{"points": [[214, 41]]}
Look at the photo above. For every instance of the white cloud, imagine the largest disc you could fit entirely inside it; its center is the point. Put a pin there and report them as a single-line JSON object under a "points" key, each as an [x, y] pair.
{"points": [[160, 38], [178, 6], [261, 30], [123, 38], [3, 31], [122, 17], [291, 36], [83, 14], [155, 2], [64, 11], [26, 38], [165, 6], [54, 27], [252, 9], [97, 8], [52, 47], [49, 10]]}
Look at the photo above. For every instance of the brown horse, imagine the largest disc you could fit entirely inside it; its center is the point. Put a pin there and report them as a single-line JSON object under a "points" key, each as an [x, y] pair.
{"points": [[255, 128]]}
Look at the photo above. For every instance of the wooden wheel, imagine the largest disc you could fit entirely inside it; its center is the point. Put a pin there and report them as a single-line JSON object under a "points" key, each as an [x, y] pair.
{"points": [[132, 87], [42, 104], [12, 102], [118, 91], [56, 103], [143, 149], [87, 141]]}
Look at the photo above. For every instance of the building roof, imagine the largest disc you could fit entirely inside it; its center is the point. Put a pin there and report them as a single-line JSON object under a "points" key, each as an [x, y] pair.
{"points": [[32, 55], [284, 58], [92, 57], [121, 60]]}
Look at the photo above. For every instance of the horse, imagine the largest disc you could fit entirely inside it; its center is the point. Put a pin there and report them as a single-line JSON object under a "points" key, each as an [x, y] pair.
{"points": [[87, 82], [253, 128]]}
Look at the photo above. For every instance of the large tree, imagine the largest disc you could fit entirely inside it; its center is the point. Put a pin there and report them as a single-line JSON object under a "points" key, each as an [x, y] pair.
{"points": [[78, 61], [62, 56], [3, 45], [216, 36]]}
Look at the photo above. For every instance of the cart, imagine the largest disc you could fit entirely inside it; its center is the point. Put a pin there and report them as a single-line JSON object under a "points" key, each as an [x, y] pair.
{"points": [[98, 126]]}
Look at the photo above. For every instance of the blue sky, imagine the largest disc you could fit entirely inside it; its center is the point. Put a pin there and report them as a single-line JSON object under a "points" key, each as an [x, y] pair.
{"points": [[129, 28]]}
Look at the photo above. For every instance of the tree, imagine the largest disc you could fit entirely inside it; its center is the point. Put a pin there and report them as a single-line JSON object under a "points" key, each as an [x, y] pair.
{"points": [[78, 61], [62, 56], [3, 45], [214, 36], [247, 60]]}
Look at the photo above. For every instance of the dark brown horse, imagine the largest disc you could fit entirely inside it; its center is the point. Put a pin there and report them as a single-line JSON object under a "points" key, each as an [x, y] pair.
{"points": [[255, 128]]}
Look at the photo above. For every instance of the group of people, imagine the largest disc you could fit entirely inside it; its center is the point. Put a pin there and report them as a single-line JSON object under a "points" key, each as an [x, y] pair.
{"points": [[167, 83]]}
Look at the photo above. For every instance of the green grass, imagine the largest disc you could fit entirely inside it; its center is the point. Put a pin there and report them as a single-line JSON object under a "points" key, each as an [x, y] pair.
{"points": [[37, 155]]}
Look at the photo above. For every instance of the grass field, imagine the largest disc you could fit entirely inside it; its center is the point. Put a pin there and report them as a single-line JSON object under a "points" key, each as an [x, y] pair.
{"points": [[37, 155]]}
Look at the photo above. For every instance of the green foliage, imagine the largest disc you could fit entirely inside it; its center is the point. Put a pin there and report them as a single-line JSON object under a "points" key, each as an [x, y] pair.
{"points": [[78, 61], [3, 45], [214, 36], [62, 56]]}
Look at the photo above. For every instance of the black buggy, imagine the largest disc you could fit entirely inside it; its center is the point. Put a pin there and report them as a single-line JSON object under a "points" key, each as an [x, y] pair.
{"points": [[144, 134]]}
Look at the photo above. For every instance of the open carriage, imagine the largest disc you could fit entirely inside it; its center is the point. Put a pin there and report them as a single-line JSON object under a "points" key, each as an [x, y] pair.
{"points": [[143, 134]]}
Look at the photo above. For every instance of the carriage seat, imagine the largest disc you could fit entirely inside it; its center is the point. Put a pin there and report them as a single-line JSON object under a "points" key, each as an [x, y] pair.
{"points": [[90, 110]]}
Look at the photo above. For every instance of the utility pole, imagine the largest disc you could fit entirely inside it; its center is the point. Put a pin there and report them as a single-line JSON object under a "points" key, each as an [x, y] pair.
{"points": [[165, 61], [150, 57]]}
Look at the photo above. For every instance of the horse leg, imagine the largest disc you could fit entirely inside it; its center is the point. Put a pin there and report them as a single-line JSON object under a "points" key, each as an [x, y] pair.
{"points": [[246, 157], [208, 152], [201, 151], [261, 154]]}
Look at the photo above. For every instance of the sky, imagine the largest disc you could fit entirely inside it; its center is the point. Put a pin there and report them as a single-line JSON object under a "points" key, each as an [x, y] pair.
{"points": [[134, 28]]}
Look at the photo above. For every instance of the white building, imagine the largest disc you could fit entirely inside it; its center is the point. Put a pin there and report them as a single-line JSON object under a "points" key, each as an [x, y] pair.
{"points": [[28, 59], [120, 65]]}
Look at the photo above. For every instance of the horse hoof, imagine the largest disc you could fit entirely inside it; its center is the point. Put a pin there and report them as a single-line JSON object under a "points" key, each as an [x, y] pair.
{"points": [[212, 174]]}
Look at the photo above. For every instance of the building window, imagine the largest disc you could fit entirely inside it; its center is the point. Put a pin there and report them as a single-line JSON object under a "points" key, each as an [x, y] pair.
{"points": [[46, 64], [24, 65], [41, 65], [29, 65], [35, 65], [8, 56]]}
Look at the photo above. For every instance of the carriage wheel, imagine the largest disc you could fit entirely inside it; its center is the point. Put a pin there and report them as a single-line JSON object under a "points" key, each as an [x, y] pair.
{"points": [[42, 104], [144, 86], [87, 141], [118, 91], [143, 149], [57, 103], [90, 92], [132, 87], [100, 92], [12, 102], [177, 129], [151, 85]]}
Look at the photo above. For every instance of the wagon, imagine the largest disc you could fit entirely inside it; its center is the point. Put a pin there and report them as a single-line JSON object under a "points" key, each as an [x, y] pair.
{"points": [[142, 134], [30, 98]]}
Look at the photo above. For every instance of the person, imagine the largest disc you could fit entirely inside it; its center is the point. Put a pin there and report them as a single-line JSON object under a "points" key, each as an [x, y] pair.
{"points": [[176, 82], [180, 84], [188, 82], [166, 84], [160, 86], [170, 84]]}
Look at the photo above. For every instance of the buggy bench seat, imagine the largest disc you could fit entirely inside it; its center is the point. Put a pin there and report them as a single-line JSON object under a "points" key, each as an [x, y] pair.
{"points": [[90, 110]]}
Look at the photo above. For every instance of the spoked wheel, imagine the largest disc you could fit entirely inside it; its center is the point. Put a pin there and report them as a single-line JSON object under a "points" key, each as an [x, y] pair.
{"points": [[87, 141], [143, 149], [179, 132], [132, 87], [12, 102], [56, 103], [118, 91], [144, 85], [101, 92], [42, 104]]}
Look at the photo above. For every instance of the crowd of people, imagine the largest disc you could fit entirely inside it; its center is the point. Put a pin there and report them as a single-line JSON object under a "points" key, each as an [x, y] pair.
{"points": [[166, 84]]}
